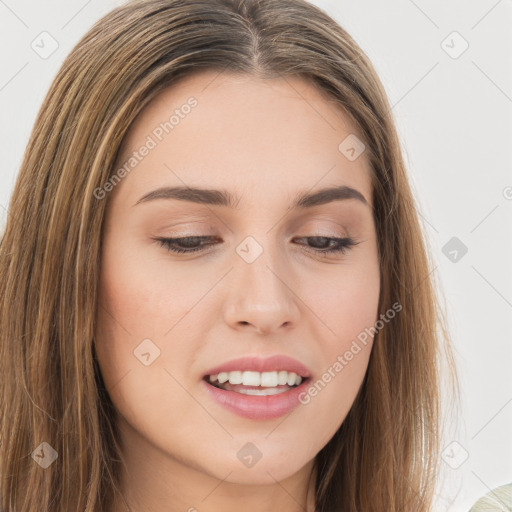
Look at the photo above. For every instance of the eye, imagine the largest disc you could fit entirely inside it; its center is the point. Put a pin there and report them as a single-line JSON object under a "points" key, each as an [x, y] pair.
{"points": [[329, 245], [191, 244]]}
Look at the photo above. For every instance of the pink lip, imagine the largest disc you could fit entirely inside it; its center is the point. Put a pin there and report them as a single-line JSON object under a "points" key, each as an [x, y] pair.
{"points": [[257, 407], [255, 364]]}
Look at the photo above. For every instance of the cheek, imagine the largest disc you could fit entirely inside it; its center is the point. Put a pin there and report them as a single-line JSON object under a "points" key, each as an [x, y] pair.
{"points": [[135, 358], [139, 292], [347, 307], [135, 310], [346, 301]]}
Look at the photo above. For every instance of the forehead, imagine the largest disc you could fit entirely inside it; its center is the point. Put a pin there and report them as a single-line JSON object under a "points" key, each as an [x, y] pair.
{"points": [[237, 131]]}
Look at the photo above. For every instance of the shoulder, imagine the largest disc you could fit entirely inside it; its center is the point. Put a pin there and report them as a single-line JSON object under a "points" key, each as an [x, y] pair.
{"points": [[495, 500]]}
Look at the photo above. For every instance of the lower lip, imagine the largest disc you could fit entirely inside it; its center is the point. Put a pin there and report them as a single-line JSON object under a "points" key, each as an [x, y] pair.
{"points": [[258, 407]]}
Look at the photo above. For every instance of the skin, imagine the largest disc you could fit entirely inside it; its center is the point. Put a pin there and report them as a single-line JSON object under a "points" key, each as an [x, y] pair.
{"points": [[264, 141]]}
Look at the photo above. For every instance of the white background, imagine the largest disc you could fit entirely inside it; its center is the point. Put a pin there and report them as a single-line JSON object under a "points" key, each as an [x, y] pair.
{"points": [[454, 119]]}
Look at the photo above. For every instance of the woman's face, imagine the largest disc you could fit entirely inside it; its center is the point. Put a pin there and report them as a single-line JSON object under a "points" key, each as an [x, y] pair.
{"points": [[262, 288]]}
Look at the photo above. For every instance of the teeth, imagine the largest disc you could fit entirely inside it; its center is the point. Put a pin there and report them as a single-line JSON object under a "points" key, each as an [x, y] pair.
{"points": [[235, 377], [264, 379], [222, 377], [251, 378], [269, 379], [291, 379], [262, 392]]}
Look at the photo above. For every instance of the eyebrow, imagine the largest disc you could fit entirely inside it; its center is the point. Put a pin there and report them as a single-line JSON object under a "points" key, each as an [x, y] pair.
{"points": [[223, 197]]}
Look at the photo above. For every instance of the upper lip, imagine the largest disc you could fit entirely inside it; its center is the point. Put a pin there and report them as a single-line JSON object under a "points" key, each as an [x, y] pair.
{"points": [[258, 364]]}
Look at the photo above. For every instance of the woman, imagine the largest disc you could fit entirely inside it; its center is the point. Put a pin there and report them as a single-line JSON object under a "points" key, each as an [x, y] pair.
{"points": [[215, 289]]}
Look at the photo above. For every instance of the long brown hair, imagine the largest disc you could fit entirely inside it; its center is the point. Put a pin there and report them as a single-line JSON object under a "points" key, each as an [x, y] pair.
{"points": [[385, 455]]}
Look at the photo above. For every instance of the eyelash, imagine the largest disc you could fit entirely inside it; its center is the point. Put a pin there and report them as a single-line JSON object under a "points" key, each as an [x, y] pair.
{"points": [[343, 245]]}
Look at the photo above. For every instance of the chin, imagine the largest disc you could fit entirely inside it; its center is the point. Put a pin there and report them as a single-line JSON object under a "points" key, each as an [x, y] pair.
{"points": [[268, 469]]}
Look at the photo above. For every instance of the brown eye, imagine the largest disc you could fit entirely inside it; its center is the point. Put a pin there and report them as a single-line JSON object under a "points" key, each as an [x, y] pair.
{"points": [[185, 245], [324, 244]]}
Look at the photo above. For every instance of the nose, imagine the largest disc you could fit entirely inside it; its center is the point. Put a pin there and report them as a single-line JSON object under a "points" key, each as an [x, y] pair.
{"points": [[261, 295]]}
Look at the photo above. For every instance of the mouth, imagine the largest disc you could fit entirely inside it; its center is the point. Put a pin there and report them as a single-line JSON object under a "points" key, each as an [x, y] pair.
{"points": [[254, 383], [262, 402], [258, 388]]}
